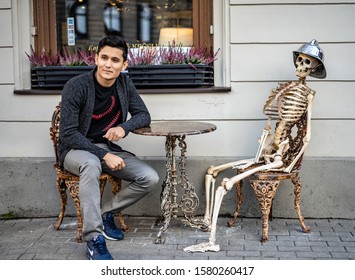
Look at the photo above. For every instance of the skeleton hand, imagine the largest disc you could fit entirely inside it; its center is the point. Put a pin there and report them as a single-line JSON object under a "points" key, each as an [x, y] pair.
{"points": [[245, 165]]}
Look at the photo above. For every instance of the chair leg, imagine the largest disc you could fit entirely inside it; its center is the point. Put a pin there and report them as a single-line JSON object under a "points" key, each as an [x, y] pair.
{"points": [[73, 187], [265, 192], [270, 214], [102, 188], [116, 184], [297, 191], [239, 192], [62, 189], [122, 223], [116, 187]]}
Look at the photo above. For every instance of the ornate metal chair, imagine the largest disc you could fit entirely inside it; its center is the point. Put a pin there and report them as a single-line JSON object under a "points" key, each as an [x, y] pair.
{"points": [[265, 183], [68, 181]]}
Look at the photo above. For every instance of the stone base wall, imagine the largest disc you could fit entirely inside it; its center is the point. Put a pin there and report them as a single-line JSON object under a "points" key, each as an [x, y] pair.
{"points": [[27, 189]]}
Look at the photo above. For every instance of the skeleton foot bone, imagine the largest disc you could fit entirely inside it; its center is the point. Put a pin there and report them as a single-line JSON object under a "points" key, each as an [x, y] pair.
{"points": [[203, 247]]}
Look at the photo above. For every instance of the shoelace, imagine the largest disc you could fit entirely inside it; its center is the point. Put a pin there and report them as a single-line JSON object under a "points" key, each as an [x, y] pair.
{"points": [[110, 224], [100, 247]]}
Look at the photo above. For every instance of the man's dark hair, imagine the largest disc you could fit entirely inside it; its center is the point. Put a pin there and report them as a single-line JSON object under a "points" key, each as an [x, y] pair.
{"points": [[114, 41]]}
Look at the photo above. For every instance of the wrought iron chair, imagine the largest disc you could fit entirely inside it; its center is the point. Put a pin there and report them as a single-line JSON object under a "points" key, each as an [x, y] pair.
{"points": [[68, 181], [265, 183]]}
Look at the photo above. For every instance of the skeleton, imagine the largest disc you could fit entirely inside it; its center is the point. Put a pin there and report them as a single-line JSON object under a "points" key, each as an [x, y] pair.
{"points": [[286, 104]]}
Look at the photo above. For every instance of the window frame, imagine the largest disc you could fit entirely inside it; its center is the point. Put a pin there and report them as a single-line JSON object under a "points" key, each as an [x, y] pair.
{"points": [[44, 15]]}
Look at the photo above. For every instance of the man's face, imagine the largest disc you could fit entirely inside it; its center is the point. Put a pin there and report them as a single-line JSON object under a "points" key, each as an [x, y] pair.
{"points": [[109, 63]]}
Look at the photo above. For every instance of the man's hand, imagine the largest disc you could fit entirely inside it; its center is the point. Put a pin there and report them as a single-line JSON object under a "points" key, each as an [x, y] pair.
{"points": [[115, 133], [114, 162]]}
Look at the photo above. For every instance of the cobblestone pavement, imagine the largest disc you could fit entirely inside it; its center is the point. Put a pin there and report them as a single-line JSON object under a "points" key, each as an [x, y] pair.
{"points": [[329, 239]]}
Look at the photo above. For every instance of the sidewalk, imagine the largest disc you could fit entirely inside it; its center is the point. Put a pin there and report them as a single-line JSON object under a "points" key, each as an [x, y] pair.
{"points": [[329, 239]]}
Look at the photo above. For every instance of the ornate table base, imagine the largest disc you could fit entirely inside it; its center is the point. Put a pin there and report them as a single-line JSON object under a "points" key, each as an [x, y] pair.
{"points": [[175, 133], [189, 199]]}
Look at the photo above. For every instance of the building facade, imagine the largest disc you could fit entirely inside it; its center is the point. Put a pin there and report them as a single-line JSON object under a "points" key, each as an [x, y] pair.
{"points": [[256, 40]]}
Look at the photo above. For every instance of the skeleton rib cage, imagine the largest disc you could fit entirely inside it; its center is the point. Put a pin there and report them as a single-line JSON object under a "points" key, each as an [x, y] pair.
{"points": [[287, 104]]}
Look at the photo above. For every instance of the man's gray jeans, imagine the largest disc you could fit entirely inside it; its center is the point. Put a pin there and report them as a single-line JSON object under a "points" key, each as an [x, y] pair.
{"points": [[141, 177]]}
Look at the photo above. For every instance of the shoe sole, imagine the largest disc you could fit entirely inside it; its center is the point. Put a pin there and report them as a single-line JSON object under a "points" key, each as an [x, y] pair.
{"points": [[90, 257], [111, 238]]}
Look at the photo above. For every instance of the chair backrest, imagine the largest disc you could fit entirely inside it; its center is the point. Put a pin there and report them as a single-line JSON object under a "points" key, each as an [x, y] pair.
{"points": [[54, 131], [295, 133]]}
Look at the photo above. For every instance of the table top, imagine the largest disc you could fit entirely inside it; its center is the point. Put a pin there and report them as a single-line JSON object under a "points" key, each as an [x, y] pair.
{"points": [[176, 128]]}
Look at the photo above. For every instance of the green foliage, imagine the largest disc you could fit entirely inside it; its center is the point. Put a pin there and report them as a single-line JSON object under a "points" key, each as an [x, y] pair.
{"points": [[8, 216]]}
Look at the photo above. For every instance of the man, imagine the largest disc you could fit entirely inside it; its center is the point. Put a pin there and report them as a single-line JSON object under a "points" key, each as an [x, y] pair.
{"points": [[93, 116]]}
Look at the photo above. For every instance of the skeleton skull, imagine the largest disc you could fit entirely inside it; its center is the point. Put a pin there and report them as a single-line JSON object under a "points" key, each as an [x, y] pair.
{"points": [[305, 65]]}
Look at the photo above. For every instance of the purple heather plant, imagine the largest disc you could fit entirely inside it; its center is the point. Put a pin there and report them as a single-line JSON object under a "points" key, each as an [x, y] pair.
{"points": [[88, 57], [67, 57], [200, 56], [173, 54], [42, 59], [77, 57], [142, 56]]}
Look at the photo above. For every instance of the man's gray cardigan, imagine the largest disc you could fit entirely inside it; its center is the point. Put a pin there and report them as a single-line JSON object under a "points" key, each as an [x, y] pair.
{"points": [[78, 100]]}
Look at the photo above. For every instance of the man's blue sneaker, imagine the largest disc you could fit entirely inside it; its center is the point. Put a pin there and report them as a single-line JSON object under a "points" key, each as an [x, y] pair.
{"points": [[96, 249], [110, 231]]}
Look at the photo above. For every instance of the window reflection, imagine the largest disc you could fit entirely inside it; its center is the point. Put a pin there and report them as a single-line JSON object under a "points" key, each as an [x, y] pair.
{"points": [[79, 11], [139, 21], [112, 18], [144, 22]]}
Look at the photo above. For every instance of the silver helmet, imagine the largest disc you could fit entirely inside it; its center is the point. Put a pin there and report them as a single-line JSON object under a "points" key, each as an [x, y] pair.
{"points": [[312, 49]]}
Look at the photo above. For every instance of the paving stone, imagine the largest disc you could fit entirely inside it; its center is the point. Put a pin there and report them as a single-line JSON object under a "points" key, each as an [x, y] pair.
{"points": [[278, 255], [313, 255], [36, 239]]}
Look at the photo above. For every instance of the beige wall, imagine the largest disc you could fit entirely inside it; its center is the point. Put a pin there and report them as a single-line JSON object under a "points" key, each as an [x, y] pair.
{"points": [[256, 40], [263, 35]]}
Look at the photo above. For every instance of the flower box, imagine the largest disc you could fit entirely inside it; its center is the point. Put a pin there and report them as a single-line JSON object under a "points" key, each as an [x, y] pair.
{"points": [[171, 75], [55, 77], [150, 67]]}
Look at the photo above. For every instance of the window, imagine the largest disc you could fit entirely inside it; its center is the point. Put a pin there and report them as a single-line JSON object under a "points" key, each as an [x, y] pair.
{"points": [[79, 12], [139, 21], [112, 18]]}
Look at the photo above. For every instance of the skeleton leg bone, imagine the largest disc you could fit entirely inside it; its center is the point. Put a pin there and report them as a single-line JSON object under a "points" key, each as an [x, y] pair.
{"points": [[227, 185], [210, 180], [210, 246], [209, 189], [213, 171]]}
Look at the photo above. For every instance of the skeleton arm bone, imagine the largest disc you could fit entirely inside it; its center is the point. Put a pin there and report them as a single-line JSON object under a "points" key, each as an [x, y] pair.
{"points": [[277, 163], [214, 170], [307, 137], [263, 142]]}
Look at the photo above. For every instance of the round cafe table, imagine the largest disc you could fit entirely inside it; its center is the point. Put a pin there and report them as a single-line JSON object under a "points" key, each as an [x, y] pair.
{"points": [[175, 133]]}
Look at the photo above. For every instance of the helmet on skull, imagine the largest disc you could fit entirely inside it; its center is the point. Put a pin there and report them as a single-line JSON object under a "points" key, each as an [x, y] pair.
{"points": [[312, 49]]}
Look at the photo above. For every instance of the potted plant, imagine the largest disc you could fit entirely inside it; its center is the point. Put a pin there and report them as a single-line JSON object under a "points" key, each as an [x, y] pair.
{"points": [[172, 66], [52, 72]]}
